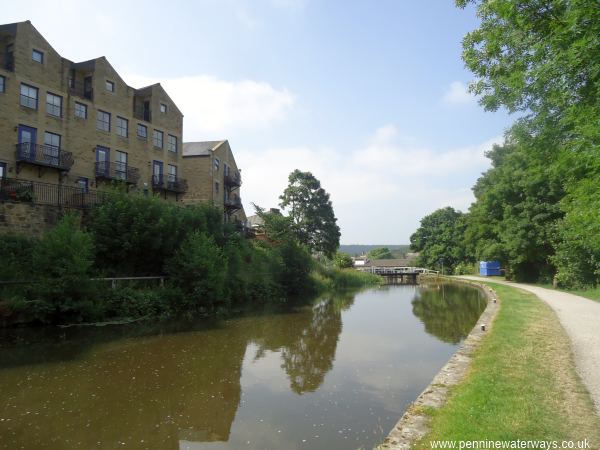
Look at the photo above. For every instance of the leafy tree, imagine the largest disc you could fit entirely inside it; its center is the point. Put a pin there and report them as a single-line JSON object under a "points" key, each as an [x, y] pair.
{"points": [[63, 259], [311, 213], [342, 260], [380, 253], [199, 269], [439, 239]]}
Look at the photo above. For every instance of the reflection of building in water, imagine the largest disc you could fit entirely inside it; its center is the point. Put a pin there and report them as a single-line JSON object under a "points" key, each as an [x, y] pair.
{"points": [[450, 314]]}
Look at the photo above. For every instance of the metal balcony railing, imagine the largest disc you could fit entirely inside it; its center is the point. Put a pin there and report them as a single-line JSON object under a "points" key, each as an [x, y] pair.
{"points": [[44, 155], [169, 183], [233, 180], [13, 190], [117, 171], [233, 203]]}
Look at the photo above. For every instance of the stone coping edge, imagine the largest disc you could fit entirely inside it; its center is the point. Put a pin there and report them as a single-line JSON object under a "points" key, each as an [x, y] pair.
{"points": [[413, 424]]}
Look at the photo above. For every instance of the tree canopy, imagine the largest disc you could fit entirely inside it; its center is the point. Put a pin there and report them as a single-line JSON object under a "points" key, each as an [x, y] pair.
{"points": [[380, 253], [311, 213]]}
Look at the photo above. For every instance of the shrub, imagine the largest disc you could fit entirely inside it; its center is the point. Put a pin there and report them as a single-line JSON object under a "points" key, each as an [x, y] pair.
{"points": [[199, 269]]}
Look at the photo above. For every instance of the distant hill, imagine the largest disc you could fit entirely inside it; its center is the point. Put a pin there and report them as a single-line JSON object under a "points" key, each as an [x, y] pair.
{"points": [[356, 250]]}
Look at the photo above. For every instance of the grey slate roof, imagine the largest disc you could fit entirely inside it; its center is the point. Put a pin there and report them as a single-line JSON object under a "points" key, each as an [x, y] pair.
{"points": [[200, 148]]}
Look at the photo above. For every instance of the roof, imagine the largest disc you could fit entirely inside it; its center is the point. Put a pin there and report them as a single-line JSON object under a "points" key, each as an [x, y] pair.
{"points": [[405, 262], [200, 148]]}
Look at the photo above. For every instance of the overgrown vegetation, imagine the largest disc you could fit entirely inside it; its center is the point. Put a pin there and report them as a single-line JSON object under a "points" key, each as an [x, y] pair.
{"points": [[537, 208], [522, 383], [208, 267]]}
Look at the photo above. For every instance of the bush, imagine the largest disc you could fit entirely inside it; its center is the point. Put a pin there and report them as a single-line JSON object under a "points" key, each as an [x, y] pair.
{"points": [[342, 261], [16, 251], [199, 269], [62, 260]]}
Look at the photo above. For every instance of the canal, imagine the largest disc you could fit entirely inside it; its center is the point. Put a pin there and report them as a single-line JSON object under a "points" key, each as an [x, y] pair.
{"points": [[334, 374]]}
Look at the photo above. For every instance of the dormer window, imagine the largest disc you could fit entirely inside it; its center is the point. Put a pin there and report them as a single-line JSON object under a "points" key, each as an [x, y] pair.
{"points": [[110, 86], [37, 56], [163, 108]]}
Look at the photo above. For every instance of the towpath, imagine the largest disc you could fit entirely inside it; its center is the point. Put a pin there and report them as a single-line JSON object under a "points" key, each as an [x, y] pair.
{"points": [[580, 317]]}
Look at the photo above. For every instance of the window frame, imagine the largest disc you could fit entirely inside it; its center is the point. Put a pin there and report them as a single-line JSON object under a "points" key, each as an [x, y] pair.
{"points": [[3, 170], [109, 86], [171, 177], [2, 84], [85, 110], [145, 128], [83, 183], [155, 134], [170, 143], [216, 187], [217, 164], [35, 52], [50, 107], [21, 96], [100, 112], [163, 108], [119, 129]]}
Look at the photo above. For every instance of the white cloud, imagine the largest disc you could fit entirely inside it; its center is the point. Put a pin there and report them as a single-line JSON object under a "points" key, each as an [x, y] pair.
{"points": [[458, 94], [390, 181], [215, 108]]}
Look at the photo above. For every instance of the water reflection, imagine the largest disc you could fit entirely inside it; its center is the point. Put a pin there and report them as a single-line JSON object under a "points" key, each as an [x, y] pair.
{"points": [[179, 385], [448, 311]]}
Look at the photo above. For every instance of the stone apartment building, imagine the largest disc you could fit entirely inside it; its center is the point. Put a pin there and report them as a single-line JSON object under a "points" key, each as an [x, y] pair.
{"points": [[213, 177], [79, 125]]}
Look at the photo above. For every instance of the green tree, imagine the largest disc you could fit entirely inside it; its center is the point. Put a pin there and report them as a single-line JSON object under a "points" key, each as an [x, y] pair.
{"points": [[199, 269], [380, 253], [342, 260], [311, 212], [440, 239], [63, 259]]}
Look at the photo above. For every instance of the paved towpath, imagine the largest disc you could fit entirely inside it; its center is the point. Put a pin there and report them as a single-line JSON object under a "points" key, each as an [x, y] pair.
{"points": [[580, 317]]}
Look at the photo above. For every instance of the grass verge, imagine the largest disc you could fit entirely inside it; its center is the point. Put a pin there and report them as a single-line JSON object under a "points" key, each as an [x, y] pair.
{"points": [[593, 293], [522, 383]]}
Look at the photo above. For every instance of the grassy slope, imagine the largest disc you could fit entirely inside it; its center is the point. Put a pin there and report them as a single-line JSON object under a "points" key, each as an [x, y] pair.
{"points": [[522, 383]]}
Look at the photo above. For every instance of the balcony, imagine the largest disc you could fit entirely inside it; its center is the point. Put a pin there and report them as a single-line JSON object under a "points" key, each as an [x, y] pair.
{"points": [[169, 183], [117, 171], [9, 62], [44, 156], [232, 204], [142, 112], [81, 89], [233, 181]]}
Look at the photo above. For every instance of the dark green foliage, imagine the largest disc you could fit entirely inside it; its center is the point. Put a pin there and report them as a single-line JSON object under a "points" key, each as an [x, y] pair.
{"points": [[199, 269], [17, 260], [440, 239], [135, 235], [311, 212], [380, 253], [63, 259]]}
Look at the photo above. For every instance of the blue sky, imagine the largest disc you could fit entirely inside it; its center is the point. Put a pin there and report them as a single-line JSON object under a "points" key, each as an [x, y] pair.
{"points": [[368, 95]]}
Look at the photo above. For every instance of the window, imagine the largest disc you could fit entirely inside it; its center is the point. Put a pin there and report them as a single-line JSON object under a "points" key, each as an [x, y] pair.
{"points": [[172, 143], [82, 183], [110, 86], [172, 173], [2, 170], [2, 84], [80, 110], [217, 162], [158, 138], [142, 131], [122, 127], [51, 148], [37, 56], [163, 108], [120, 165], [29, 96], [102, 161], [103, 121], [217, 187], [54, 105]]}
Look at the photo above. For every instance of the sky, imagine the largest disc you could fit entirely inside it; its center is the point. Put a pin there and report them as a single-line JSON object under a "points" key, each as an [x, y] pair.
{"points": [[369, 96]]}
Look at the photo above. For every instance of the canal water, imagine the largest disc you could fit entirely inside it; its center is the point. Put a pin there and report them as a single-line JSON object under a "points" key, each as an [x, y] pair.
{"points": [[335, 374]]}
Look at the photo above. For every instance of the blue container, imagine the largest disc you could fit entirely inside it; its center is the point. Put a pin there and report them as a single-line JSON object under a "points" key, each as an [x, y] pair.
{"points": [[489, 268]]}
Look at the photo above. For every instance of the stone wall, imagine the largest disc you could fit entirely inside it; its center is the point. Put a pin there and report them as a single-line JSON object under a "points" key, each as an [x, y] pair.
{"points": [[28, 218]]}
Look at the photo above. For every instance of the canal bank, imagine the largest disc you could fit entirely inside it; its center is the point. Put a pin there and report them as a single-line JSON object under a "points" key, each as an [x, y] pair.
{"points": [[414, 423]]}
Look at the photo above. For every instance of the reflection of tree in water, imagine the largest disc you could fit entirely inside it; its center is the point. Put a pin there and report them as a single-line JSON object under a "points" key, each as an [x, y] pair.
{"points": [[448, 311], [307, 341]]}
